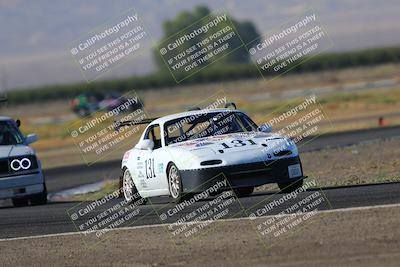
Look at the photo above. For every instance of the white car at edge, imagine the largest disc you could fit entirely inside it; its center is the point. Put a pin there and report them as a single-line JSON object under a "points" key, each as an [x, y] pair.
{"points": [[180, 153], [21, 176]]}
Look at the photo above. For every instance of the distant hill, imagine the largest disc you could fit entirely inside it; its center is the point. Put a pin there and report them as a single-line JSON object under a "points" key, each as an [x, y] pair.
{"points": [[34, 35]]}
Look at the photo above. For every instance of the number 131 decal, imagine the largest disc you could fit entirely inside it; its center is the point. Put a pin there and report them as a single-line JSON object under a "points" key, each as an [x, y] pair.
{"points": [[238, 143], [149, 166]]}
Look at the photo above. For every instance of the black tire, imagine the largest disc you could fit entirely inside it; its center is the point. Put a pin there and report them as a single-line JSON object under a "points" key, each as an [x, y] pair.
{"points": [[174, 183], [243, 191], [129, 191], [120, 186], [20, 202], [290, 187], [40, 199]]}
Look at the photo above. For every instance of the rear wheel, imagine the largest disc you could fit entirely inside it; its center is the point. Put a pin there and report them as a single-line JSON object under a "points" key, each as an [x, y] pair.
{"points": [[174, 183], [131, 194], [20, 202], [244, 191], [290, 187], [40, 199]]}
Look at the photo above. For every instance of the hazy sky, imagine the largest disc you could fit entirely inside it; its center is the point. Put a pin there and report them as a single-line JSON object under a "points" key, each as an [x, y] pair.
{"points": [[35, 34]]}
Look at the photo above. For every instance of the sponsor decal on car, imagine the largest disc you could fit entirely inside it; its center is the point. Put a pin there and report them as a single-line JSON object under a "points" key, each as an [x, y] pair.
{"points": [[160, 167], [201, 144]]}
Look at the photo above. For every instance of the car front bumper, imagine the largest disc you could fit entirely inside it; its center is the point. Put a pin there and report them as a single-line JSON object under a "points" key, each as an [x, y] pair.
{"points": [[20, 186], [241, 175]]}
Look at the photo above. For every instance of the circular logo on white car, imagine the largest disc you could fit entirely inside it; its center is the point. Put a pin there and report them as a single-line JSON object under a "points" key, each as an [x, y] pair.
{"points": [[18, 164]]}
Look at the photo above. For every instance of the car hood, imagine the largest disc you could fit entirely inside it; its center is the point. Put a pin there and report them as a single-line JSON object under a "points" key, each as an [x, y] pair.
{"points": [[15, 151], [216, 143]]}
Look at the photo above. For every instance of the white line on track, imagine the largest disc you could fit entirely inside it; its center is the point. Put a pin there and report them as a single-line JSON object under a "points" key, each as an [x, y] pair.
{"points": [[223, 220]]}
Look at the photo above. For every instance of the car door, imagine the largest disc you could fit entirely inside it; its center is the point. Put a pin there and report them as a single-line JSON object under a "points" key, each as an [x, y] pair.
{"points": [[151, 161]]}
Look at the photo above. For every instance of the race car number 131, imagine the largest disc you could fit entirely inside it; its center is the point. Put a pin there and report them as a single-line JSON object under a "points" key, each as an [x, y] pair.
{"points": [[149, 166]]}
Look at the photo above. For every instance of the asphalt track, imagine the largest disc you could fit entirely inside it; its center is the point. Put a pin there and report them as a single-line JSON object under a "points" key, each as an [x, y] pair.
{"points": [[53, 218]]}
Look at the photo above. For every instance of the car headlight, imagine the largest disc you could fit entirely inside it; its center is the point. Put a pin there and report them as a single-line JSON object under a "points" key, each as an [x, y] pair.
{"points": [[23, 163]]}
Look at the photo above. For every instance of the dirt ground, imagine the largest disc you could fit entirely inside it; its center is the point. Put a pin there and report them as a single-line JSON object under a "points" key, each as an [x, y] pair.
{"points": [[366, 237], [372, 162]]}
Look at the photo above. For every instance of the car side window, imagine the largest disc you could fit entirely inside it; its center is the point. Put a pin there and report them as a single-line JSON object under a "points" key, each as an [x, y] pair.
{"points": [[153, 133]]}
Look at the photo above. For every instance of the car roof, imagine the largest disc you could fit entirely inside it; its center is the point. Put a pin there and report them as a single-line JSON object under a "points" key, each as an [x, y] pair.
{"points": [[164, 119]]}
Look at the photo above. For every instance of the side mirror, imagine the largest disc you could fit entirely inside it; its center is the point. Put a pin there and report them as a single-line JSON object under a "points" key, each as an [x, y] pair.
{"points": [[265, 128], [18, 122], [30, 138], [145, 144]]}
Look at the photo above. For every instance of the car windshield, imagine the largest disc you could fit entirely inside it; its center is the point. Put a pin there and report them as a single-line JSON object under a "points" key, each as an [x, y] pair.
{"points": [[9, 134], [207, 124]]}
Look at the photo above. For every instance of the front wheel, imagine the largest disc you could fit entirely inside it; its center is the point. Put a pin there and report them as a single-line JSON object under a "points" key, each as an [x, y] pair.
{"points": [[40, 199], [174, 183], [290, 187], [131, 194]]}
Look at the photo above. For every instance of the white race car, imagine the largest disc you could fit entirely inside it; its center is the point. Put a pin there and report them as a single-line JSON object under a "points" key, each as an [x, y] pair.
{"points": [[181, 153]]}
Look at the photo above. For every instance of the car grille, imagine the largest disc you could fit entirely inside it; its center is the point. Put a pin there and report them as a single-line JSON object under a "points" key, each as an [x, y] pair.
{"points": [[272, 168]]}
